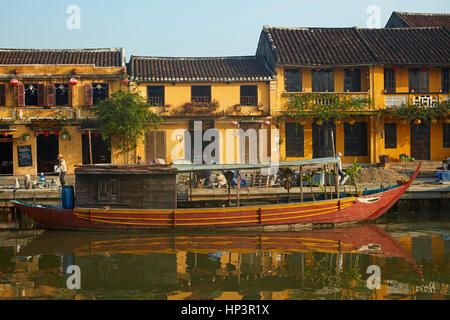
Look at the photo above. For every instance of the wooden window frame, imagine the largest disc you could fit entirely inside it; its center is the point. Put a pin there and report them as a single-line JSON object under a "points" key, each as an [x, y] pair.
{"points": [[293, 82], [292, 141], [322, 80], [446, 135], [445, 80], [352, 80], [156, 100], [246, 98], [196, 97], [349, 137], [390, 80], [416, 77], [390, 136]]}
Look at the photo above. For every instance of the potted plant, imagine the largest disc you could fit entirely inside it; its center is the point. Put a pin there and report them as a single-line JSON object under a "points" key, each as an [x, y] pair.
{"points": [[26, 136], [352, 172], [237, 107], [260, 107], [65, 134]]}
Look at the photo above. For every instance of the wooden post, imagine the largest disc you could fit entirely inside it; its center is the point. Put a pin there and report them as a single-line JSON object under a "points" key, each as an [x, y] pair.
{"points": [[90, 148], [301, 183], [190, 186], [238, 187], [336, 182], [324, 183], [329, 182]]}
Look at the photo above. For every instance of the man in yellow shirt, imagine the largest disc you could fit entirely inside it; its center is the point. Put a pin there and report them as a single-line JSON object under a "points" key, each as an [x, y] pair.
{"points": [[62, 168]]}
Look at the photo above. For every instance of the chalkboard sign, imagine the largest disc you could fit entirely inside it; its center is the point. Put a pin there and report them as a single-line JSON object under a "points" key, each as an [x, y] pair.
{"points": [[24, 156]]}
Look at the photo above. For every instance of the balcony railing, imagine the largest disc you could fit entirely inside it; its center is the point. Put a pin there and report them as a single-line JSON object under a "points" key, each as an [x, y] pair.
{"points": [[249, 101], [423, 100], [201, 99], [329, 98], [156, 101]]}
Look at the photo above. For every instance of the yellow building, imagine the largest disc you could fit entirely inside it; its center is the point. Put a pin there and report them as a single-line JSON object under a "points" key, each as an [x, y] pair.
{"points": [[220, 93], [46, 97], [369, 68]]}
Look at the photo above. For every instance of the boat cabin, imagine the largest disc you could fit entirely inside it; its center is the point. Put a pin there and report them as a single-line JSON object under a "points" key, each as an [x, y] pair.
{"points": [[125, 186]]}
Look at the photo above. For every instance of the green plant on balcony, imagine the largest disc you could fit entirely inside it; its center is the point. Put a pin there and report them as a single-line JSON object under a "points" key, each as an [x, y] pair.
{"points": [[201, 106], [324, 106], [410, 112]]}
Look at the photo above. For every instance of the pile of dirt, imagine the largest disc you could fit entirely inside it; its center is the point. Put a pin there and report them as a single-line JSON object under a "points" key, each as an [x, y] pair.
{"points": [[377, 175]]}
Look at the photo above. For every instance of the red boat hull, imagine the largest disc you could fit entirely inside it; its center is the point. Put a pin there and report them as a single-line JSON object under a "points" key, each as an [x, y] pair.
{"points": [[345, 210]]}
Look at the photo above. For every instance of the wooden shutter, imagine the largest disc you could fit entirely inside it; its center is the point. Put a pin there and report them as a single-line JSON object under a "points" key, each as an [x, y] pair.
{"points": [[155, 147], [446, 134], [20, 95], [294, 134], [355, 139], [41, 89], [88, 94], [2, 95], [390, 136], [50, 95]]}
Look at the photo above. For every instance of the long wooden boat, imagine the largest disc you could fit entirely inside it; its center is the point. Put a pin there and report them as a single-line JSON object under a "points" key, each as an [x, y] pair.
{"points": [[145, 199]]}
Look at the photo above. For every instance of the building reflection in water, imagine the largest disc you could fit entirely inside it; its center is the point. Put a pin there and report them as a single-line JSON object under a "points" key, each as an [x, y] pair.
{"points": [[317, 264]]}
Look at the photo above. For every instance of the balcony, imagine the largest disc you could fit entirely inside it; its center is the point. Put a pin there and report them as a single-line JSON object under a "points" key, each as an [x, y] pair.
{"points": [[156, 101], [420, 100], [66, 113], [249, 101], [203, 99]]}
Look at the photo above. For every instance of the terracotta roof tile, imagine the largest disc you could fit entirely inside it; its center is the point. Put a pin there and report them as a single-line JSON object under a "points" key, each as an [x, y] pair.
{"points": [[208, 69], [409, 45], [98, 57], [318, 46], [423, 19]]}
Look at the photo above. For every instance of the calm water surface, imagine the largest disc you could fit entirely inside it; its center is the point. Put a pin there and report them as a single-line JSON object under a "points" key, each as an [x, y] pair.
{"points": [[413, 259]]}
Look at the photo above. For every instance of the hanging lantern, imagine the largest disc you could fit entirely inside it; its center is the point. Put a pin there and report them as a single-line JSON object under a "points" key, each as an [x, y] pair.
{"points": [[351, 122], [267, 122], [447, 121], [5, 133], [46, 133], [319, 122], [395, 68], [234, 123], [417, 121], [73, 81], [433, 121], [95, 134], [404, 122], [56, 133], [36, 133], [338, 122], [302, 122], [424, 69], [13, 82], [124, 82]]}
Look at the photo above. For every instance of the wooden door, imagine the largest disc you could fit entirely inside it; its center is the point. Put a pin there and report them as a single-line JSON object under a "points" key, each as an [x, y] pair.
{"points": [[155, 146], [322, 143], [420, 141], [248, 150]]}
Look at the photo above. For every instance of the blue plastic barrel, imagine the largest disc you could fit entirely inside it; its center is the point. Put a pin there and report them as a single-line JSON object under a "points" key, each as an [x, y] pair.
{"points": [[67, 197]]}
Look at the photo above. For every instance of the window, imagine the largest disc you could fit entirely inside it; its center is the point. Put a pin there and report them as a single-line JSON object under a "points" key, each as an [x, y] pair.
{"points": [[249, 95], [293, 80], [2, 95], [446, 80], [294, 134], [418, 81], [446, 129], [352, 80], [61, 94], [322, 80], [390, 136], [100, 91], [155, 95], [31, 94], [355, 139], [389, 80], [201, 93]]}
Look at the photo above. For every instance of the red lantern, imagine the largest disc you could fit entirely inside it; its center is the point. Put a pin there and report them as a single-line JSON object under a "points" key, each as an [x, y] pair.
{"points": [[95, 134], [267, 122], [234, 123], [74, 71], [46, 133], [395, 68], [73, 81], [5, 134], [13, 82], [36, 133], [424, 69], [124, 82], [56, 133]]}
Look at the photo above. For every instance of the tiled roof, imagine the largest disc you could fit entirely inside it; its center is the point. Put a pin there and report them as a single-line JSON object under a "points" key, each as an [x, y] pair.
{"points": [[410, 19], [318, 46], [212, 69], [409, 45], [353, 46], [98, 57]]}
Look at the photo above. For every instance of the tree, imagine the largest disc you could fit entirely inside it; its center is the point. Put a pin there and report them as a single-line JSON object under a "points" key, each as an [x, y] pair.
{"points": [[352, 172], [124, 118]]}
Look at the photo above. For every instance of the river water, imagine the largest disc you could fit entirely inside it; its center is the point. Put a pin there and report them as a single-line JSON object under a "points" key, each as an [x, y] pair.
{"points": [[395, 259]]}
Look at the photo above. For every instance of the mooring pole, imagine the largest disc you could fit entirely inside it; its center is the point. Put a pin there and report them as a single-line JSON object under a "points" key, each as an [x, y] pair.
{"points": [[301, 183], [336, 181]]}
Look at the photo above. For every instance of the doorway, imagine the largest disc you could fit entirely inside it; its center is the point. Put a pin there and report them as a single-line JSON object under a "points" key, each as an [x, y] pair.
{"points": [[100, 149], [47, 149], [6, 155], [322, 142], [420, 141]]}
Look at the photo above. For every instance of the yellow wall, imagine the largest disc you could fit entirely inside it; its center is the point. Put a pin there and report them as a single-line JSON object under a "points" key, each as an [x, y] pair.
{"points": [[50, 74]]}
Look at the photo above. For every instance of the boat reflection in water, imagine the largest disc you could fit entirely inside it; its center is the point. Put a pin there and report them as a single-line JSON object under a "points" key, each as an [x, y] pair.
{"points": [[315, 264]]}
